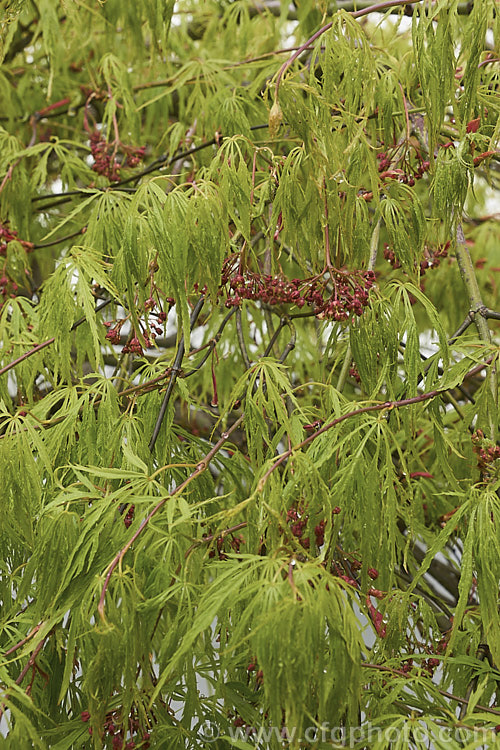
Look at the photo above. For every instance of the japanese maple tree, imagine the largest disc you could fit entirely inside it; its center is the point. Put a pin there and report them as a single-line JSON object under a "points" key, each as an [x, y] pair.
{"points": [[249, 273]]}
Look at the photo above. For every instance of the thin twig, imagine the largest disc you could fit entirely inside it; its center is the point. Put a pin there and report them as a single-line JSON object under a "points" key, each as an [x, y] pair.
{"points": [[355, 14], [387, 405], [461, 329], [291, 343], [211, 344], [218, 535], [30, 664], [60, 239], [272, 340], [21, 643]]}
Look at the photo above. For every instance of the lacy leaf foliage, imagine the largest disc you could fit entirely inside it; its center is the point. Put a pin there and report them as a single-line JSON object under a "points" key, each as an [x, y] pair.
{"points": [[249, 475]]}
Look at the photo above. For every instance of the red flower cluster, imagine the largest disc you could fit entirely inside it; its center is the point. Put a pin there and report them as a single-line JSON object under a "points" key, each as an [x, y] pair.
{"points": [[105, 156], [134, 344], [487, 454], [235, 542], [114, 728], [348, 296], [432, 256], [8, 287], [129, 516], [297, 521], [8, 235], [386, 171]]}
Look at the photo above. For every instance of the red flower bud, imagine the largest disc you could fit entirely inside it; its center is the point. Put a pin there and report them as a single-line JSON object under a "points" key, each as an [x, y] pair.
{"points": [[473, 125]]}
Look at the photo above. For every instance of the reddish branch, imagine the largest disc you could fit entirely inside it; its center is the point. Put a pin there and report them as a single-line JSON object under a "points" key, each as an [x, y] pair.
{"points": [[21, 643], [200, 468], [364, 410], [24, 356], [56, 105], [41, 346], [30, 664]]}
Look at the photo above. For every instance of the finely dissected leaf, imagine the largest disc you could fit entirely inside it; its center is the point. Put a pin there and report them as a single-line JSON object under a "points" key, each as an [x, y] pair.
{"points": [[248, 374], [205, 220], [74, 213], [435, 59], [235, 187], [88, 266], [451, 182], [405, 228]]}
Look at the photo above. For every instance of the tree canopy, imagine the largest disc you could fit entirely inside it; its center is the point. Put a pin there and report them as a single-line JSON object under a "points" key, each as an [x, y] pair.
{"points": [[250, 260]]}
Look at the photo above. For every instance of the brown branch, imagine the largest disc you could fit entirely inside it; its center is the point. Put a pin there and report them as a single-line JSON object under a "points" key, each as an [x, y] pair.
{"points": [[210, 345], [241, 339], [219, 535], [174, 372], [291, 342], [31, 661], [21, 643], [274, 337], [24, 356], [363, 410], [275, 7], [60, 239]]}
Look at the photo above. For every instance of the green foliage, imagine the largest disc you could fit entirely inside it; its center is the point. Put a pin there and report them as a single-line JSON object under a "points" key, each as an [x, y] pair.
{"points": [[248, 379]]}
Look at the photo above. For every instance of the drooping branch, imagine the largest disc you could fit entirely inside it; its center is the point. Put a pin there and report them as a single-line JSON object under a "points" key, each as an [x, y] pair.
{"points": [[50, 341], [200, 468], [400, 673], [385, 406], [30, 664], [349, 6]]}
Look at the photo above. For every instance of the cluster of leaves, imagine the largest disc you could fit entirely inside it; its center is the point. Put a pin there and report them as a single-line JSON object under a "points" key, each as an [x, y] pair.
{"points": [[249, 467]]}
